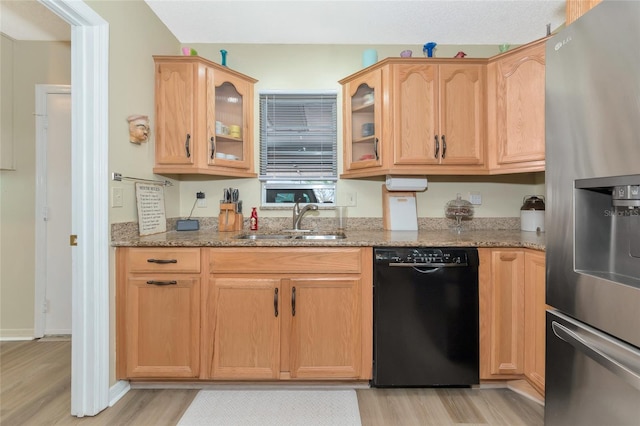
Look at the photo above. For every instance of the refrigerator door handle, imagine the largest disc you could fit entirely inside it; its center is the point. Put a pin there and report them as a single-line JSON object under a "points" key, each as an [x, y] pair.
{"points": [[614, 357]]}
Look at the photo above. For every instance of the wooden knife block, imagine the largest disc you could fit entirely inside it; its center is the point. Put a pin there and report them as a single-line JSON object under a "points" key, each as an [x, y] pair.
{"points": [[228, 219]]}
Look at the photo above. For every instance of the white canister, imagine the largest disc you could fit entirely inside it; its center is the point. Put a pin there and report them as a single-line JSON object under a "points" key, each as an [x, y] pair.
{"points": [[532, 214]]}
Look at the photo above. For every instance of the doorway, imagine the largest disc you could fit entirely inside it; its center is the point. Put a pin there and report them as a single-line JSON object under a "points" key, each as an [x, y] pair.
{"points": [[53, 211], [90, 392]]}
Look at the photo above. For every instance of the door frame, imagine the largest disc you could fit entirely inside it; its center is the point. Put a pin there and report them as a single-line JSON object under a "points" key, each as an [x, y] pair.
{"points": [[90, 348], [42, 92]]}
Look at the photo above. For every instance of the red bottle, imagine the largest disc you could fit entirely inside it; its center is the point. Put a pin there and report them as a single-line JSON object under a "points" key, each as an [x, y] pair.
{"points": [[254, 219]]}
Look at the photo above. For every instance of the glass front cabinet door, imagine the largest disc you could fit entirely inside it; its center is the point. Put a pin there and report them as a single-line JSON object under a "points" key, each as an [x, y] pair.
{"points": [[362, 138], [230, 129]]}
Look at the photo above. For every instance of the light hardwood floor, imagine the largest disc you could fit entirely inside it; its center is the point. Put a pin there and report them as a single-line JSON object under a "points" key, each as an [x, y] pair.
{"points": [[35, 384]]}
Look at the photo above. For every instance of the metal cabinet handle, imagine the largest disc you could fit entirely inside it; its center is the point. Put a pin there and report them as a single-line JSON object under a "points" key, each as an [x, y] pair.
{"points": [[275, 302], [612, 357], [437, 146], [444, 147], [152, 282], [293, 301], [186, 145], [162, 261], [375, 148], [213, 147]]}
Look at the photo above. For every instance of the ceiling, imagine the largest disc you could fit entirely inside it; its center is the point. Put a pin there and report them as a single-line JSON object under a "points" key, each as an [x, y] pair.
{"points": [[375, 22]]}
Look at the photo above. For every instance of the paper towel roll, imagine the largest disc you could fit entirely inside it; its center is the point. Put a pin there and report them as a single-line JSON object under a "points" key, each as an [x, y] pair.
{"points": [[412, 183]]}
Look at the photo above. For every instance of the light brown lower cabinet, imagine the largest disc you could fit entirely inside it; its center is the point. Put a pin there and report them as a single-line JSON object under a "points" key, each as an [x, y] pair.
{"points": [[534, 318], [512, 312], [254, 313], [285, 313], [158, 313]]}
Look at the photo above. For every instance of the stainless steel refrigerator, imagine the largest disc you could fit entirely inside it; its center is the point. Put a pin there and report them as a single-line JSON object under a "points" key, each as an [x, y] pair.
{"points": [[593, 219]]}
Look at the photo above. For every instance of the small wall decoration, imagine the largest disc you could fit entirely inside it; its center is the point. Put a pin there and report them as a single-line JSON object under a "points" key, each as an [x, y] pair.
{"points": [[138, 128]]}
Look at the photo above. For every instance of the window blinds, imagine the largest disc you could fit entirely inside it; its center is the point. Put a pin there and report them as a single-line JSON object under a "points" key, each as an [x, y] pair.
{"points": [[298, 136]]}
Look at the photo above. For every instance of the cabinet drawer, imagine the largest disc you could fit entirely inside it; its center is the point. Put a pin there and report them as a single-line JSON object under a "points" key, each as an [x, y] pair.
{"points": [[325, 260], [181, 260]]}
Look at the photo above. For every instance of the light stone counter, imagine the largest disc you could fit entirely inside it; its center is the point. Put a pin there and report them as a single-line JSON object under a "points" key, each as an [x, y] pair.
{"points": [[359, 237]]}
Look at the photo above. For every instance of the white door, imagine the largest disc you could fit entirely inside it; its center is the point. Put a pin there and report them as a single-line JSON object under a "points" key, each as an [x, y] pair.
{"points": [[54, 198]]}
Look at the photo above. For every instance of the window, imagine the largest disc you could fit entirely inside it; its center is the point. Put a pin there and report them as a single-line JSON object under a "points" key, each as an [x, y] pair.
{"points": [[298, 148]]}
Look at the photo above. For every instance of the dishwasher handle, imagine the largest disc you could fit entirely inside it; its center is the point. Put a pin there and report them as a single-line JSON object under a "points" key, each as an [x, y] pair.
{"points": [[428, 265]]}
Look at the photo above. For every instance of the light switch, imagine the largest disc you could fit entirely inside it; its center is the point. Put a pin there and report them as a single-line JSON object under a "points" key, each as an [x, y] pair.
{"points": [[116, 197]]}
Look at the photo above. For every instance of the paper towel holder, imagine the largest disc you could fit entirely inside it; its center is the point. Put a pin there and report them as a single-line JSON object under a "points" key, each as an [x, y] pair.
{"points": [[406, 183]]}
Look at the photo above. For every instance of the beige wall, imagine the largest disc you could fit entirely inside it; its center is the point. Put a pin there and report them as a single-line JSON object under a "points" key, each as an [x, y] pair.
{"points": [[135, 34], [33, 63], [6, 103]]}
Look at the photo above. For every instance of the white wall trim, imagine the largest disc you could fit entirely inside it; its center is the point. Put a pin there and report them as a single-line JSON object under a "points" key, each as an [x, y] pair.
{"points": [[117, 391], [15, 334], [89, 205], [42, 91]]}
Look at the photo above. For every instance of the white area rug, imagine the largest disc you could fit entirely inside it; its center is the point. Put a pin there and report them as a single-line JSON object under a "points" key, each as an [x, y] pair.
{"points": [[273, 407]]}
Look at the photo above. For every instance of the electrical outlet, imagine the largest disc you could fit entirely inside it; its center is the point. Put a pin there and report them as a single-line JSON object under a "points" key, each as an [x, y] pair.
{"points": [[350, 199], [475, 198], [202, 201], [116, 197]]}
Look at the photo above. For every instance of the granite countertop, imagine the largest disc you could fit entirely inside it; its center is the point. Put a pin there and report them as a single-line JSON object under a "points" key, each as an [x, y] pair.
{"points": [[210, 237]]}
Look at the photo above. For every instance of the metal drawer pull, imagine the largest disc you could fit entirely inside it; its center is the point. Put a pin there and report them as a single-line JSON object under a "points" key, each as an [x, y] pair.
{"points": [[437, 146], [444, 147], [293, 301], [375, 148], [186, 145], [213, 147], [162, 282], [275, 302], [162, 261]]}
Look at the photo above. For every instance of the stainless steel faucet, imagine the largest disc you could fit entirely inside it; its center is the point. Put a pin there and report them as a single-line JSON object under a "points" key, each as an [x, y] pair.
{"points": [[299, 212]]}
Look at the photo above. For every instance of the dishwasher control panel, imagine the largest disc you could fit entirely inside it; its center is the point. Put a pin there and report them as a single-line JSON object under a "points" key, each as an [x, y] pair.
{"points": [[421, 256]]}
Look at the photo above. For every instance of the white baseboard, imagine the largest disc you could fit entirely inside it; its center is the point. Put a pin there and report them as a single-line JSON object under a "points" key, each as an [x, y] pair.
{"points": [[58, 332], [9, 334], [117, 391]]}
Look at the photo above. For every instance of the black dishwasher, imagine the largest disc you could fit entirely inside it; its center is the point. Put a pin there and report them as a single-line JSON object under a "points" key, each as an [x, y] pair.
{"points": [[425, 317]]}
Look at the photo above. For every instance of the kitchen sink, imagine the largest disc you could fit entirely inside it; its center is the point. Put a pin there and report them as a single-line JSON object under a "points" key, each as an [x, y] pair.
{"points": [[321, 237], [330, 236], [265, 237]]}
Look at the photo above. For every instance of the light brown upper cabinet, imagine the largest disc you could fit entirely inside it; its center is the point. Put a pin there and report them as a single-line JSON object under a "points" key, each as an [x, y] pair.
{"points": [[204, 118], [577, 8], [438, 115], [424, 116], [515, 131]]}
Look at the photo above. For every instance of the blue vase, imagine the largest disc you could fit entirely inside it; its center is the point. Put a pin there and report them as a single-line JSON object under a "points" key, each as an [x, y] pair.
{"points": [[224, 57], [427, 49]]}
